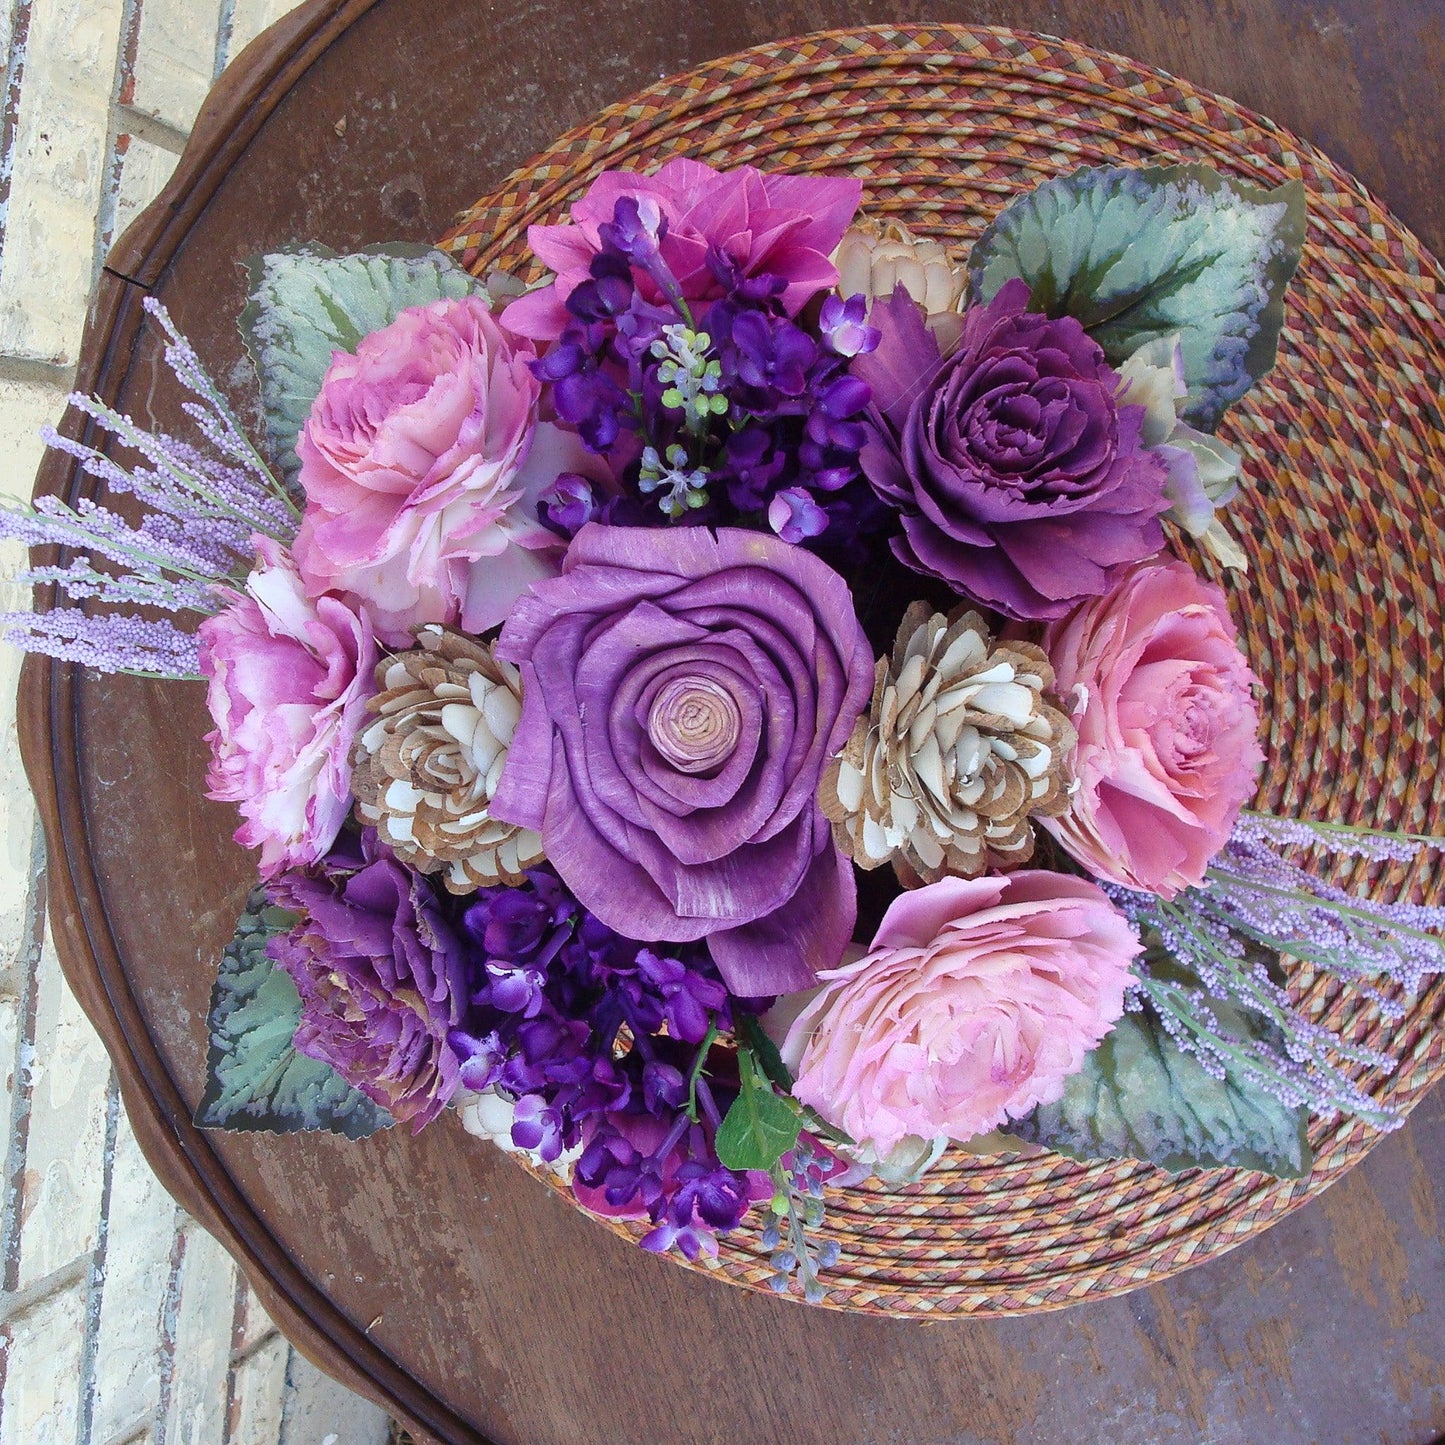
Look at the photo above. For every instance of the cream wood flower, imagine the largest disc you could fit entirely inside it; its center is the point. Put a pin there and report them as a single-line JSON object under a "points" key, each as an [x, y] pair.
{"points": [[961, 745]]}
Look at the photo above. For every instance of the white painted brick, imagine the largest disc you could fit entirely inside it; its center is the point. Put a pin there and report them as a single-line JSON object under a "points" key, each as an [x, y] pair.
{"points": [[144, 170], [255, 1322], [61, 156], [175, 55], [260, 1394], [42, 1379], [203, 1342], [321, 1412], [64, 1160], [24, 409], [249, 18], [127, 1353]]}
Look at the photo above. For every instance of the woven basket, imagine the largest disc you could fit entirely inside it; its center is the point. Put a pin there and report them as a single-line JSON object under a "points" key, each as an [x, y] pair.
{"points": [[1341, 612]]}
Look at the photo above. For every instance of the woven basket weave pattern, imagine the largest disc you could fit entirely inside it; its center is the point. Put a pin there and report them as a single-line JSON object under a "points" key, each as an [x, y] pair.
{"points": [[1341, 613]]}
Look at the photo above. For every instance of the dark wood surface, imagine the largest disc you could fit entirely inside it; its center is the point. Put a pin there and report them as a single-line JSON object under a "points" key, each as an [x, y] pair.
{"points": [[431, 1273]]}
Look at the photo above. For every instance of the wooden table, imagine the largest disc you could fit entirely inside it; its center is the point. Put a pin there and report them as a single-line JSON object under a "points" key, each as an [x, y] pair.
{"points": [[429, 1272]]}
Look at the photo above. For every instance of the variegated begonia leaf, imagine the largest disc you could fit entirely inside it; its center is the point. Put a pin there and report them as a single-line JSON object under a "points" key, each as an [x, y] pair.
{"points": [[255, 1078], [307, 303], [1138, 254], [1140, 1096]]}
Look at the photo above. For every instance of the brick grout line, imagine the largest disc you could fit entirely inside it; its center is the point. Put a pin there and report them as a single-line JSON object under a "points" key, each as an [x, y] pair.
{"points": [[10, 117], [225, 28], [283, 1435], [238, 1333], [95, 1279], [21, 1301], [170, 1316], [122, 92], [14, 1203]]}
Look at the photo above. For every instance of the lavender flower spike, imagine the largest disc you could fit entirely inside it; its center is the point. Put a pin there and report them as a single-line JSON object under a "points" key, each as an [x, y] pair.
{"points": [[202, 509]]}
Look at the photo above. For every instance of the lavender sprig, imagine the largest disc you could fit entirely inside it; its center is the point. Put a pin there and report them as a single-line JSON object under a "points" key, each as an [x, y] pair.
{"points": [[1256, 905], [202, 509], [797, 1208]]}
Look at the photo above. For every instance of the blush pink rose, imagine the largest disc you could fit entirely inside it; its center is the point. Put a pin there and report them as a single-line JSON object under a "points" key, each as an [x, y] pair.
{"points": [[784, 226], [422, 467], [1168, 730], [977, 1000], [289, 678]]}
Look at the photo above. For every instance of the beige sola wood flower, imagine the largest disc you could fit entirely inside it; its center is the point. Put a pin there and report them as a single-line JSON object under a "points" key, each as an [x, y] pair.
{"points": [[959, 748], [873, 260], [428, 761]]}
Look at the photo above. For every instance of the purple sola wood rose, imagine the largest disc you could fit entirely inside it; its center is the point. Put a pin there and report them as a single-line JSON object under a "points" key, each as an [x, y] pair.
{"points": [[382, 978], [1021, 480], [682, 692]]}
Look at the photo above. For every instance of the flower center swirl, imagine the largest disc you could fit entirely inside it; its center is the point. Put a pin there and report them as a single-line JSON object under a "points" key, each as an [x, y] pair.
{"points": [[694, 723]]}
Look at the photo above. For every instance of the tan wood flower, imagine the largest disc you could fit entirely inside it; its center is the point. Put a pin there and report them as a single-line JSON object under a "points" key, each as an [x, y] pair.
{"points": [[961, 745], [428, 761]]}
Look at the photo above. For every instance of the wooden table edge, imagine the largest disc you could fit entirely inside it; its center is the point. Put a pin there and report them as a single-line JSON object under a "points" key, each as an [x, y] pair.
{"points": [[180, 1154]]}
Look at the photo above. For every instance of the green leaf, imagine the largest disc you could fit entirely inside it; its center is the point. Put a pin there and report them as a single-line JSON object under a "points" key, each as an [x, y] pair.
{"points": [[255, 1079], [1139, 254], [761, 1126], [764, 1051], [1140, 1096], [306, 303]]}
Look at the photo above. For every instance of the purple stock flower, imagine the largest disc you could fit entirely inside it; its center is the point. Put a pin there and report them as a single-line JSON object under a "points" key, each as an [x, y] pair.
{"points": [[1020, 479], [381, 975], [682, 693], [845, 328], [795, 516]]}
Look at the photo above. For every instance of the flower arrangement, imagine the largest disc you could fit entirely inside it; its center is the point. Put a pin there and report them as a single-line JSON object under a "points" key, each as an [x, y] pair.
{"points": [[576, 648]]}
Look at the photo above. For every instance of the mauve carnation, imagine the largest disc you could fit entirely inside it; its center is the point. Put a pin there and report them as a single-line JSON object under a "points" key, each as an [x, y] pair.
{"points": [[289, 679], [978, 999], [382, 978], [1168, 731], [422, 464], [681, 693], [783, 226], [1021, 480]]}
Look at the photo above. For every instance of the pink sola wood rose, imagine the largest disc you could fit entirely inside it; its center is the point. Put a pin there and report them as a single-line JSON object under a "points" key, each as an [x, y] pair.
{"points": [[681, 693], [289, 678], [422, 462], [783, 226], [978, 999], [1168, 731]]}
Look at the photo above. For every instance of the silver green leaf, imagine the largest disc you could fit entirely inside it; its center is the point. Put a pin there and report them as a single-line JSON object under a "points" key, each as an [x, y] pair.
{"points": [[255, 1079], [1140, 1096], [307, 303], [1137, 254]]}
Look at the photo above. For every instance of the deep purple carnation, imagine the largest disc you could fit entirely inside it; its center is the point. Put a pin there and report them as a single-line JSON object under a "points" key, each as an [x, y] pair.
{"points": [[382, 977], [682, 692], [1021, 480]]}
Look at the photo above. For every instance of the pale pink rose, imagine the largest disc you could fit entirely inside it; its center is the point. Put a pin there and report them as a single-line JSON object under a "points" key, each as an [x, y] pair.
{"points": [[419, 498], [980, 996], [1168, 731], [289, 678]]}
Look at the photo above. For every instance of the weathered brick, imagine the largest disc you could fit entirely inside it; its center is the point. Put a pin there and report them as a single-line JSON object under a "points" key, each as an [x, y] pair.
{"points": [[65, 1154], [202, 1354], [174, 60], [248, 18], [259, 1394], [137, 1262], [60, 157], [321, 1412], [144, 170], [252, 1321], [41, 1402]]}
